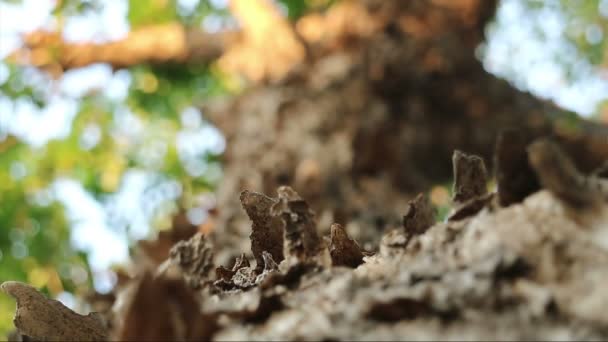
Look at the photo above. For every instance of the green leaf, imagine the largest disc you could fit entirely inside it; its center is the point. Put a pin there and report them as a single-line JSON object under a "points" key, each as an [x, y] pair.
{"points": [[151, 12]]}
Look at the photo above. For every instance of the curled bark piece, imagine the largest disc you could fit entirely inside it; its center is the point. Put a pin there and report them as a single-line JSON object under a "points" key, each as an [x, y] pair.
{"points": [[269, 263], [270, 268], [470, 191], [471, 207], [194, 258], [344, 251], [44, 319], [558, 174], [302, 240], [224, 274], [160, 309], [241, 262], [470, 177], [419, 216], [266, 233], [515, 178], [244, 278]]}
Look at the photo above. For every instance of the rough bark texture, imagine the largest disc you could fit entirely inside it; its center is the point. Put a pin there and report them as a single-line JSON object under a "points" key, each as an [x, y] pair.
{"points": [[43, 319], [375, 114], [535, 270]]}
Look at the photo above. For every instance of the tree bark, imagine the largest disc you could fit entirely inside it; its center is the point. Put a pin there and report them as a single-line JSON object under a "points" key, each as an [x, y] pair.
{"points": [[366, 103], [374, 118], [163, 43]]}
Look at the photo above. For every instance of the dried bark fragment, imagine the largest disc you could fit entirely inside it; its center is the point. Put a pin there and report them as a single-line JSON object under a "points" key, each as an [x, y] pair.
{"points": [[159, 309], [269, 263], [470, 207], [470, 191], [224, 281], [470, 177], [344, 251], [225, 275], [266, 234], [558, 174], [270, 268], [242, 276], [302, 240], [515, 178], [246, 278], [43, 319], [194, 257], [419, 217], [241, 262], [289, 278]]}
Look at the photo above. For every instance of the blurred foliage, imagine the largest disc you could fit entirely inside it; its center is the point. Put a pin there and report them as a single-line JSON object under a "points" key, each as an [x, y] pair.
{"points": [[297, 8], [16, 85], [143, 13], [74, 7], [585, 25], [107, 138], [34, 241], [588, 27]]}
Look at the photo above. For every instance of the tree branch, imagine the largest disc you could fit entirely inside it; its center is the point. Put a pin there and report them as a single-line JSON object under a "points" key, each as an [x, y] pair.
{"points": [[153, 44], [266, 47]]}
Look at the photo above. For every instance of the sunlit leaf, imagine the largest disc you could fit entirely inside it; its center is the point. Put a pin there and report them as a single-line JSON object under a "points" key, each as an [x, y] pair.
{"points": [[147, 12]]}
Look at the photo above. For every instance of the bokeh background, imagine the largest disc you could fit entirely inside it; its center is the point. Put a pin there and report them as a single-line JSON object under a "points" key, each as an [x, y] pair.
{"points": [[94, 159]]}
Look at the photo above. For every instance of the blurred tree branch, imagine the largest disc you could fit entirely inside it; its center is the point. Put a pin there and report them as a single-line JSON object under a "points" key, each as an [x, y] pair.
{"points": [[153, 44], [173, 42], [267, 46]]}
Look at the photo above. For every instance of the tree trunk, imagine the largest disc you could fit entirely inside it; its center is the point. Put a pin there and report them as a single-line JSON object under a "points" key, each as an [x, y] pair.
{"points": [[374, 117]]}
